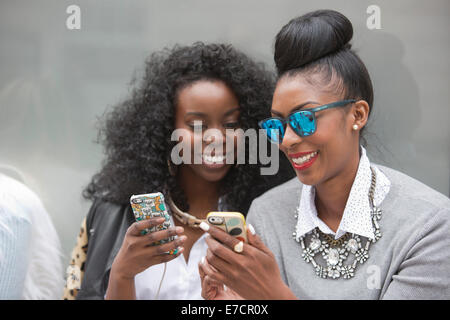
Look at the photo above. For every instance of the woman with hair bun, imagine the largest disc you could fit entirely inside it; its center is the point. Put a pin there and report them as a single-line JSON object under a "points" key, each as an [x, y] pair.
{"points": [[344, 228]]}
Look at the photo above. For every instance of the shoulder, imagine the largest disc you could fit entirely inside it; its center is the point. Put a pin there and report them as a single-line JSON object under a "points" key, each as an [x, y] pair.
{"points": [[408, 191], [17, 200], [282, 195], [106, 225], [106, 220], [102, 210], [273, 206], [30, 223], [16, 205], [413, 209]]}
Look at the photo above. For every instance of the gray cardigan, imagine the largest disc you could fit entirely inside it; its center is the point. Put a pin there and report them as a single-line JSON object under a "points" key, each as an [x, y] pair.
{"points": [[410, 261]]}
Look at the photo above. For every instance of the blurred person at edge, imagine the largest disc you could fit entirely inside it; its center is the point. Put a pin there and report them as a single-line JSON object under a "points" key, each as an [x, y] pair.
{"points": [[30, 251]]}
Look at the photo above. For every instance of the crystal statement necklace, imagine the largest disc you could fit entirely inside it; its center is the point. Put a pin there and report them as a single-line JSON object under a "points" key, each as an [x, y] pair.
{"points": [[336, 252]]}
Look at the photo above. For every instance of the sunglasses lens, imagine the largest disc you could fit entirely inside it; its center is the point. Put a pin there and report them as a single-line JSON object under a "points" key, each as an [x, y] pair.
{"points": [[274, 129], [303, 123]]}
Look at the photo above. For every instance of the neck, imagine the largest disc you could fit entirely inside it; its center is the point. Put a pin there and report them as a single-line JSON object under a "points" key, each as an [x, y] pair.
{"points": [[202, 195], [332, 195]]}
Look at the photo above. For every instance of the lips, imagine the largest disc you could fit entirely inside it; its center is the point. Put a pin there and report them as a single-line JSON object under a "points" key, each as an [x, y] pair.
{"points": [[303, 160], [300, 154], [213, 161]]}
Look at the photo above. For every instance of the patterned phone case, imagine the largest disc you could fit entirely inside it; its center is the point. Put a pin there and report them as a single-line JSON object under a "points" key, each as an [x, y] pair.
{"points": [[151, 205], [232, 223]]}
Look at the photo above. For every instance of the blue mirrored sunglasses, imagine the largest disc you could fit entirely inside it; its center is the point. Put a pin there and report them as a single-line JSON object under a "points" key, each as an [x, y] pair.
{"points": [[302, 122]]}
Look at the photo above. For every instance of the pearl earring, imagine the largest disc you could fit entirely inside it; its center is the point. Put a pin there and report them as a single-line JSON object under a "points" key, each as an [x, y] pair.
{"points": [[355, 127]]}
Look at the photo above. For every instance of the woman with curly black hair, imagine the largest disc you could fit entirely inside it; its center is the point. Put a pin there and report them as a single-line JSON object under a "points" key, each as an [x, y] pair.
{"points": [[187, 87]]}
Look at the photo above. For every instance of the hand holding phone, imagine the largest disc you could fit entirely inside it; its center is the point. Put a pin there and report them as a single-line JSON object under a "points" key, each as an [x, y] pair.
{"points": [[152, 205], [232, 223]]}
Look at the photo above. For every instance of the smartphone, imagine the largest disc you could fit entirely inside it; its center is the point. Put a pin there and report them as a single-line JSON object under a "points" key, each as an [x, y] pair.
{"points": [[232, 223], [152, 205]]}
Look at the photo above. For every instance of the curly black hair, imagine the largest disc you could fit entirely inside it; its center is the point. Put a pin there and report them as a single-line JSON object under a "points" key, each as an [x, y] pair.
{"points": [[136, 132]]}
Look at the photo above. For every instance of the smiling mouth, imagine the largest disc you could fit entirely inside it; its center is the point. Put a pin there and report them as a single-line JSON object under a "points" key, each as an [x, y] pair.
{"points": [[305, 158], [219, 159]]}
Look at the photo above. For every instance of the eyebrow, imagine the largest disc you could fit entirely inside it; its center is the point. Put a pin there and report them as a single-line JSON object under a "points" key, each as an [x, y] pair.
{"points": [[231, 111], [298, 107], [201, 114]]}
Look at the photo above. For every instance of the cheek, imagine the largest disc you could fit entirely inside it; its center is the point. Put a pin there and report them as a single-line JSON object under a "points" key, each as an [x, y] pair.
{"points": [[188, 139], [185, 143], [236, 140], [334, 144], [329, 132], [283, 149]]}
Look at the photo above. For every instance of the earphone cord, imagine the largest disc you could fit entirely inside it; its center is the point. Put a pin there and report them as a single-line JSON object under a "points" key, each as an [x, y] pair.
{"points": [[160, 283]]}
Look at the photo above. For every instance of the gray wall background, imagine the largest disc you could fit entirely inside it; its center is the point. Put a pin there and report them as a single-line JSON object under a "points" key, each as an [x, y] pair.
{"points": [[55, 82]]}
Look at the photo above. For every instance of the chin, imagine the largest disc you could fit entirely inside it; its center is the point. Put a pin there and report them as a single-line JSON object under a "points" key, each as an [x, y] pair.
{"points": [[213, 175], [310, 176], [306, 179]]}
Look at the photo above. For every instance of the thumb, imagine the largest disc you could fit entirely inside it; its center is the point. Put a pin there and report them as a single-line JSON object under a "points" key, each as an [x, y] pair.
{"points": [[255, 240], [200, 271]]}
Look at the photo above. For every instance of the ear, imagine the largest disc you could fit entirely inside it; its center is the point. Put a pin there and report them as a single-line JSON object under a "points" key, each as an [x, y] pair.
{"points": [[359, 114]]}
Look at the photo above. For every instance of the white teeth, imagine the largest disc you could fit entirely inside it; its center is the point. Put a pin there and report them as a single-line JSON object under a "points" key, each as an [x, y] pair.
{"points": [[301, 160], [213, 159]]}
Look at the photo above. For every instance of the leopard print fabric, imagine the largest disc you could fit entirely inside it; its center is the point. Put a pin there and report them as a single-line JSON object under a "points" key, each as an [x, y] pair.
{"points": [[75, 271]]}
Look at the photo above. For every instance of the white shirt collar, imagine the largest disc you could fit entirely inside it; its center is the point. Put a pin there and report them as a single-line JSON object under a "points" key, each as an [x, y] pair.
{"points": [[357, 213]]}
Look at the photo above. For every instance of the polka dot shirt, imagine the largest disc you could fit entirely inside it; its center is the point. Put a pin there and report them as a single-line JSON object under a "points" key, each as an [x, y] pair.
{"points": [[356, 218]]}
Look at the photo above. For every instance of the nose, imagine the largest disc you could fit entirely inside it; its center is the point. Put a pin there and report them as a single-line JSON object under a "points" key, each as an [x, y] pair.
{"points": [[213, 135], [290, 138]]}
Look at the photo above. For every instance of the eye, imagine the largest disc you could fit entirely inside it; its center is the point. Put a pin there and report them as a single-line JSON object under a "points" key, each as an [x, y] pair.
{"points": [[197, 125], [231, 125]]}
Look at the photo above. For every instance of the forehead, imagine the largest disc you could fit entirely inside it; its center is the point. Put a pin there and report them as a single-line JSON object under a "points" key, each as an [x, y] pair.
{"points": [[207, 96], [294, 90]]}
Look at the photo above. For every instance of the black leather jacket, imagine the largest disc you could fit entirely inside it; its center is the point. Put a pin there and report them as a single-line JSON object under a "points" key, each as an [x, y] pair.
{"points": [[106, 225]]}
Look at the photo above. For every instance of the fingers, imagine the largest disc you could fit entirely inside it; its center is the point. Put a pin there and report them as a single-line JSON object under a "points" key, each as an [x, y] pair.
{"points": [[200, 271], [206, 266], [137, 227], [255, 240], [219, 265], [210, 282], [209, 273], [209, 288], [162, 249], [219, 250], [148, 242], [207, 281], [223, 237], [161, 258], [162, 235]]}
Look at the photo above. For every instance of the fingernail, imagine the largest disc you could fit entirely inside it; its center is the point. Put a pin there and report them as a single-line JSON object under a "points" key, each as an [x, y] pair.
{"points": [[252, 230], [204, 226], [179, 229], [203, 260]]}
